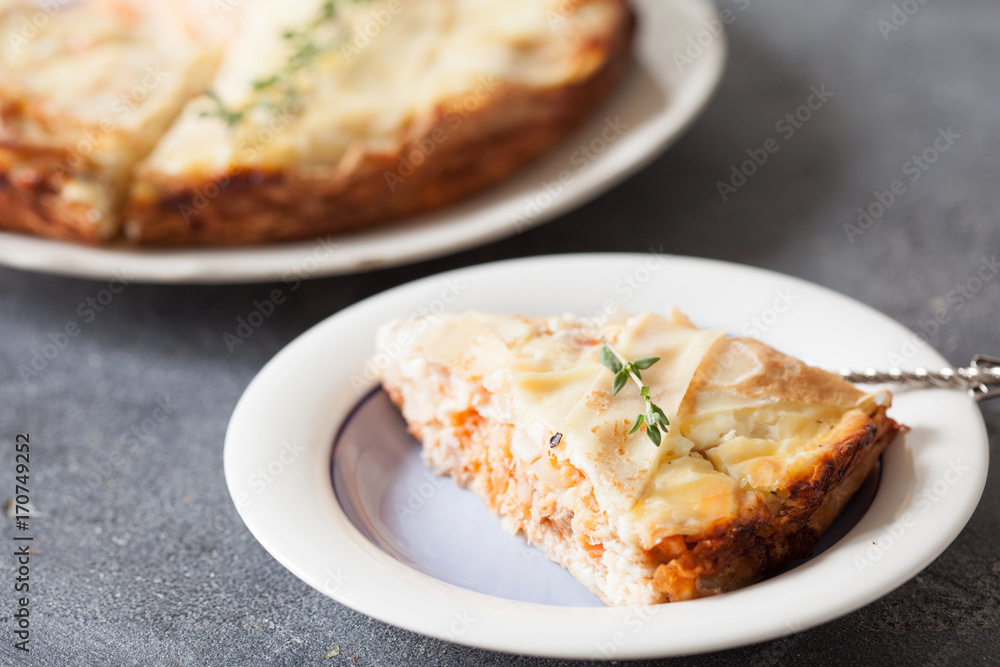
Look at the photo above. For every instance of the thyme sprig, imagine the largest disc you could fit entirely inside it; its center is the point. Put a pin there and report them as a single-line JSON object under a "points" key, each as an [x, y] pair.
{"points": [[278, 91], [654, 418], [229, 116]]}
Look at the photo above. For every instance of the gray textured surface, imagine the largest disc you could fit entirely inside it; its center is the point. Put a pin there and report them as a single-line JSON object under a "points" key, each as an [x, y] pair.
{"points": [[143, 558]]}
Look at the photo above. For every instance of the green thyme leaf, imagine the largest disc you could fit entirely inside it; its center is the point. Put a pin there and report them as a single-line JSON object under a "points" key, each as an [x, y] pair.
{"points": [[228, 116], [260, 84], [645, 362], [638, 422], [621, 379], [654, 434], [608, 359], [659, 415], [332, 653]]}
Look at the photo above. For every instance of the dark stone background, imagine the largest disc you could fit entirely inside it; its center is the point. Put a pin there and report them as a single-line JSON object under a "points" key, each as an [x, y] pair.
{"points": [[150, 564]]}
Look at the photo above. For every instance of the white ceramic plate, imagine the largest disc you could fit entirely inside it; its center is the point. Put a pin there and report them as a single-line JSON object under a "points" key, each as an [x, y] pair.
{"points": [[368, 553], [656, 101]]}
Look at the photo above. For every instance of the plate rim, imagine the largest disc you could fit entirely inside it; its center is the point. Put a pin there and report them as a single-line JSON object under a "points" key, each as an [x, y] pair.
{"points": [[463, 225], [246, 417]]}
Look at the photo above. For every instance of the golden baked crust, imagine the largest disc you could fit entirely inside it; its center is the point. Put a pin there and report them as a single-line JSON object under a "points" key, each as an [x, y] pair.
{"points": [[511, 127], [30, 185], [762, 453]]}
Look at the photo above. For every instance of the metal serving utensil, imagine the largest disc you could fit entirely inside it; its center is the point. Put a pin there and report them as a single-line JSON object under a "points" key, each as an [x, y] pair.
{"points": [[981, 379]]}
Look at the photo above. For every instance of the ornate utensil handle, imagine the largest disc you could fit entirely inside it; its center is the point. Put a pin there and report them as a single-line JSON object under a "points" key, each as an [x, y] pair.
{"points": [[981, 379]]}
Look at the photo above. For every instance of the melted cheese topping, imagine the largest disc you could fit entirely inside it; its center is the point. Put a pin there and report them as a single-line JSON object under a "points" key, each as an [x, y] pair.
{"points": [[759, 447], [721, 457], [101, 60], [382, 66], [545, 378]]}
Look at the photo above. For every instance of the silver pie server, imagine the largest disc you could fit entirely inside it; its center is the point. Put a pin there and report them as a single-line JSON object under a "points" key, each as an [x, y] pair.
{"points": [[981, 379]]}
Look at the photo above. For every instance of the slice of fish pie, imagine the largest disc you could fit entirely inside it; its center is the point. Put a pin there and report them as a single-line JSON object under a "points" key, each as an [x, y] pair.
{"points": [[761, 454]]}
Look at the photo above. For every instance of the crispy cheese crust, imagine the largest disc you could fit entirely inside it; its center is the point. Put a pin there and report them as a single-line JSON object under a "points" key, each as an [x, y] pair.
{"points": [[757, 542]]}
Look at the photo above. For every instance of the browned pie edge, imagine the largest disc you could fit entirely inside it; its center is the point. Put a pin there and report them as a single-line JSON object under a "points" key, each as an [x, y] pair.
{"points": [[33, 174], [756, 543], [482, 146]]}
